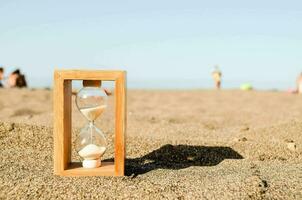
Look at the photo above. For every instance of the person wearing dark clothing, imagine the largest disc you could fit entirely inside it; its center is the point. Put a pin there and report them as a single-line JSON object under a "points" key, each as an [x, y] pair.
{"points": [[16, 79], [21, 82], [1, 76]]}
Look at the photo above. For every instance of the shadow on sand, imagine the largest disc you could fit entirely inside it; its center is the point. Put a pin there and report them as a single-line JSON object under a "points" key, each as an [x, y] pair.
{"points": [[179, 157]]}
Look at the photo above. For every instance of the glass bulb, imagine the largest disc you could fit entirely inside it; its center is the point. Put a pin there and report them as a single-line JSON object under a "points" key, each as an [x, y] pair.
{"points": [[91, 101], [91, 143]]}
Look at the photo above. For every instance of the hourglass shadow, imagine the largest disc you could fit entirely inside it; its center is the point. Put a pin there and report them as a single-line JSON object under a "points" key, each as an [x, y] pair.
{"points": [[179, 157]]}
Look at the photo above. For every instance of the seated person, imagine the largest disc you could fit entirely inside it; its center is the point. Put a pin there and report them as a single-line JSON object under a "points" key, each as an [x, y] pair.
{"points": [[16, 79], [12, 79], [21, 82], [1, 76]]}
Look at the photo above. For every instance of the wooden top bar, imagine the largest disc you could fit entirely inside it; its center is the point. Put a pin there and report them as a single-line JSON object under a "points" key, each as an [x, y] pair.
{"points": [[104, 75]]}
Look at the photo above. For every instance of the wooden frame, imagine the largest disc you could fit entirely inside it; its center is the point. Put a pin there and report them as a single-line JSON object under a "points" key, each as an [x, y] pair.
{"points": [[62, 123]]}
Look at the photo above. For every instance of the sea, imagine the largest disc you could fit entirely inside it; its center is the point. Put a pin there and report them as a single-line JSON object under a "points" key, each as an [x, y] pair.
{"points": [[180, 84]]}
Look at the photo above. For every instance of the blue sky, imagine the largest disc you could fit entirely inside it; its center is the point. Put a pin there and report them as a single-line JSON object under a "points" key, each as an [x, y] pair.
{"points": [[160, 43]]}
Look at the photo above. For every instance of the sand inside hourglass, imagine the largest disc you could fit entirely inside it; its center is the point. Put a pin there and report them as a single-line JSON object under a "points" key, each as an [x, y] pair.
{"points": [[92, 113], [92, 152]]}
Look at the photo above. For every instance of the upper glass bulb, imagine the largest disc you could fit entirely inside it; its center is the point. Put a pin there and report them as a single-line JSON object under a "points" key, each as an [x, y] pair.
{"points": [[91, 101]]}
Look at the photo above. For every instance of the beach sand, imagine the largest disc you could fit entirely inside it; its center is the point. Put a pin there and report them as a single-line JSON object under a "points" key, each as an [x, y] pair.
{"points": [[180, 145]]}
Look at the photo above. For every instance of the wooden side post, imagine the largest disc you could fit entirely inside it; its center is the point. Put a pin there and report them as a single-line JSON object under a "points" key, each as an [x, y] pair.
{"points": [[62, 123], [120, 124]]}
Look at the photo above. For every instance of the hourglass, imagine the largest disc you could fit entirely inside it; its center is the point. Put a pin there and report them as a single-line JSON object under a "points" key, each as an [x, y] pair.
{"points": [[90, 144]]}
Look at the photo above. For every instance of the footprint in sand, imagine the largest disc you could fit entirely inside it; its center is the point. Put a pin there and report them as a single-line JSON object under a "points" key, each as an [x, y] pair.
{"points": [[24, 112], [244, 128], [256, 186], [153, 120], [210, 126]]}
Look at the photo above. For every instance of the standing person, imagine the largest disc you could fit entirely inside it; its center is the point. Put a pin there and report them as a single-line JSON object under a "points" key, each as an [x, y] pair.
{"points": [[1, 76], [216, 74], [299, 83]]}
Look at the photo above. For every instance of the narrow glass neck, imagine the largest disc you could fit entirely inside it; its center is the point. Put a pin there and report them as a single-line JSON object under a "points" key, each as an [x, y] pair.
{"points": [[91, 124]]}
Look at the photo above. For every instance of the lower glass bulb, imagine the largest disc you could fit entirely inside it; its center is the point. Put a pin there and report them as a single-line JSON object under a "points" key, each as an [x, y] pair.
{"points": [[91, 146]]}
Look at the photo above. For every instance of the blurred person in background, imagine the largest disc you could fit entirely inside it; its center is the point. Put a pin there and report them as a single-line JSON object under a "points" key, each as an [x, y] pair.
{"points": [[12, 78], [299, 83], [16, 79], [216, 74], [21, 81], [1, 76]]}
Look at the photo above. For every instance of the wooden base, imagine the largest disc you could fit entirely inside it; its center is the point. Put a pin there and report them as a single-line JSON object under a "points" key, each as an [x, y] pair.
{"points": [[76, 169]]}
